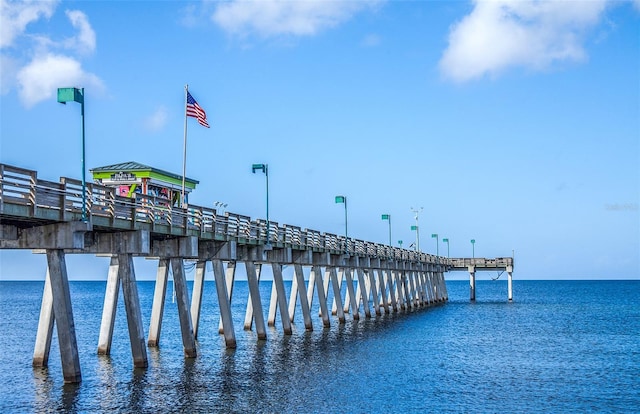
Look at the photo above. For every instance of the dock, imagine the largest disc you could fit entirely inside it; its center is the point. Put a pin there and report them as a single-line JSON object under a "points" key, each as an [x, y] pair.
{"points": [[57, 218]]}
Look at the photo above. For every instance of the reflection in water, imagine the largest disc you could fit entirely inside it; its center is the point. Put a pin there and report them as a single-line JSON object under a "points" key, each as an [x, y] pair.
{"points": [[391, 363], [69, 398], [138, 391], [276, 375], [43, 386], [190, 385], [228, 379], [106, 378]]}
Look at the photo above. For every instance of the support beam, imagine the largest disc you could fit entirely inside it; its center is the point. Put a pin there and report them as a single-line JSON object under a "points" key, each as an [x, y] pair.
{"points": [[196, 297], [45, 326], [364, 293], [278, 284], [415, 300], [417, 277], [427, 287], [432, 286], [229, 278], [316, 271], [184, 314], [388, 277], [273, 298], [304, 305], [383, 290], [254, 294], [183, 247], [64, 316], [351, 294], [224, 301], [248, 315], [57, 236], [337, 295], [293, 298], [311, 284], [337, 292], [109, 308], [374, 292], [444, 286], [325, 285], [132, 307], [396, 295], [400, 289], [472, 283], [510, 282], [157, 308], [407, 290]]}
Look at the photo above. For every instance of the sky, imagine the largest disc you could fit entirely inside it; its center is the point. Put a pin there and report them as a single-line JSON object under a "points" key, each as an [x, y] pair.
{"points": [[513, 123]]}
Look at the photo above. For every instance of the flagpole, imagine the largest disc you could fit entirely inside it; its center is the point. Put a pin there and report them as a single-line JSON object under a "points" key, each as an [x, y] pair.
{"points": [[184, 151]]}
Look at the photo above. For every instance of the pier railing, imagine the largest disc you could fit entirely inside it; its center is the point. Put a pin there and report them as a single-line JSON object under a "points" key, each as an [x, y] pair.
{"points": [[499, 263], [24, 197]]}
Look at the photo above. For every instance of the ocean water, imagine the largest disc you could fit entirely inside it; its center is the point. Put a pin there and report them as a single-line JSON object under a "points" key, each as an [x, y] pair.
{"points": [[561, 346]]}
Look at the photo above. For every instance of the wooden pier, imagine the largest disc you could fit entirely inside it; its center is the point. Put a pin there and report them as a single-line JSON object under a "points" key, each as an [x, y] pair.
{"points": [[46, 216]]}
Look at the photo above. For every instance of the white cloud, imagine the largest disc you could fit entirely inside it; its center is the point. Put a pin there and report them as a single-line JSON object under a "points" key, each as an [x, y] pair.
{"points": [[40, 79], [499, 34], [285, 17], [157, 120], [85, 41], [42, 64], [17, 15]]}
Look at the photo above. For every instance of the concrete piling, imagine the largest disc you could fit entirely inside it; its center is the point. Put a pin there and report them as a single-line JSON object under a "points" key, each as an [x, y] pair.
{"points": [[45, 326], [254, 294], [184, 314], [64, 316], [109, 308], [281, 298], [157, 308], [196, 296], [248, 316], [302, 294], [472, 283], [224, 300], [132, 308]]}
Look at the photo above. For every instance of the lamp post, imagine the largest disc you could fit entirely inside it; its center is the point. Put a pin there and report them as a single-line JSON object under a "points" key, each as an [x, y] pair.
{"points": [[77, 95], [417, 243], [446, 240], [417, 226], [473, 248], [435, 236], [343, 199], [265, 169], [388, 217], [220, 204]]}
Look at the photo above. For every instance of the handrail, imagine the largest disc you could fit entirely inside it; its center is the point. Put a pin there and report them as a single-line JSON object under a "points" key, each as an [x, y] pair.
{"points": [[22, 187]]}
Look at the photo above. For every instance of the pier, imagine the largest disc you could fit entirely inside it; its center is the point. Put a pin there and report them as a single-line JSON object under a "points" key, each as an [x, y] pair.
{"points": [[57, 218], [502, 264]]}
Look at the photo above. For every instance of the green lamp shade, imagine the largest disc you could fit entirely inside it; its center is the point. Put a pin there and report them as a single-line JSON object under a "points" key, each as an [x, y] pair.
{"points": [[70, 95]]}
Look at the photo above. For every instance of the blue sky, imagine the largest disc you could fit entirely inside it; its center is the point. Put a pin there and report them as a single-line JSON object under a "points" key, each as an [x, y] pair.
{"points": [[516, 124]]}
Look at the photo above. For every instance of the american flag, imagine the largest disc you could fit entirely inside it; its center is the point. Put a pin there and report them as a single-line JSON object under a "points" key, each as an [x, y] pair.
{"points": [[194, 110]]}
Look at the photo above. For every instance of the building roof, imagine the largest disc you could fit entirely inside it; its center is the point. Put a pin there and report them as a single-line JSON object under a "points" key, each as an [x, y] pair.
{"points": [[136, 166]]}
